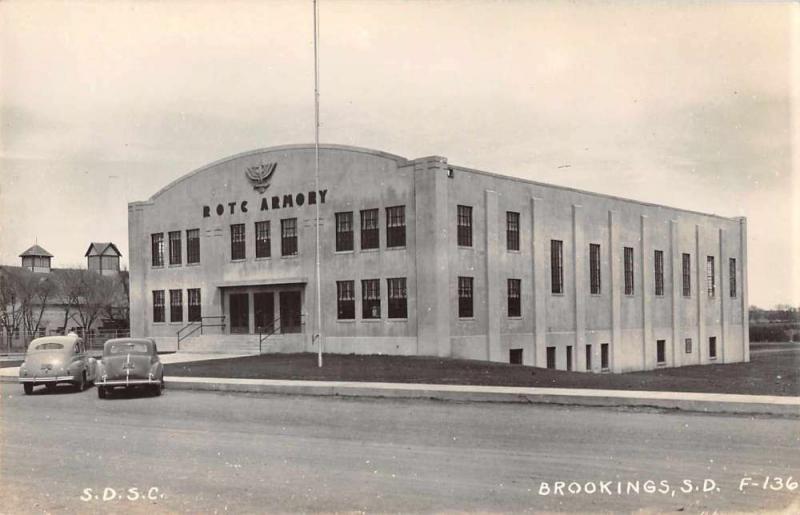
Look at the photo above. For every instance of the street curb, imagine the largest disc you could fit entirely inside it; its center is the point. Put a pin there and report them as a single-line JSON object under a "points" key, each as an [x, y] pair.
{"points": [[690, 402]]}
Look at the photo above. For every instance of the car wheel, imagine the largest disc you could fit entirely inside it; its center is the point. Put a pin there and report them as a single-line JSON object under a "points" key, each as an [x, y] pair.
{"points": [[82, 382], [28, 388], [101, 392]]}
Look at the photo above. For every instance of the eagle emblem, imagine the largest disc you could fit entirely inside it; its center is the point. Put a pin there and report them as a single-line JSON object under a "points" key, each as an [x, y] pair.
{"points": [[260, 175]]}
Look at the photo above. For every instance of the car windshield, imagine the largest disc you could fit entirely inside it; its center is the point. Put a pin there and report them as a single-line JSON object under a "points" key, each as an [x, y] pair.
{"points": [[128, 348], [48, 346]]}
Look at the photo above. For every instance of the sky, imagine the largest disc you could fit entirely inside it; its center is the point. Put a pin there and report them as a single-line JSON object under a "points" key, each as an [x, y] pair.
{"points": [[692, 105]]}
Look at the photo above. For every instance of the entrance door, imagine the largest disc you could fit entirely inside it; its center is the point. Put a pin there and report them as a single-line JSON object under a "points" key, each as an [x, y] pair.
{"points": [[290, 311], [240, 313], [264, 310]]}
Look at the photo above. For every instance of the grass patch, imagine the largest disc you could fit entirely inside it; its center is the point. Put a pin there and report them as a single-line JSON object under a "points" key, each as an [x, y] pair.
{"points": [[768, 373]]}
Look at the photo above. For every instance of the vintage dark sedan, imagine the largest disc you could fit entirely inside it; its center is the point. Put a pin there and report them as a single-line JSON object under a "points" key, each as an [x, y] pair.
{"points": [[130, 363], [57, 359]]}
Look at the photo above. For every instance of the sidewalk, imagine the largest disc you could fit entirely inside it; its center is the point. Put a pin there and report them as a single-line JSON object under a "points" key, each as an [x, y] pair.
{"points": [[691, 402]]}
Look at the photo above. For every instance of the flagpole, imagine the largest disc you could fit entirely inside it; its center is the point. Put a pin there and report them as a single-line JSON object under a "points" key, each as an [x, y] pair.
{"points": [[316, 181]]}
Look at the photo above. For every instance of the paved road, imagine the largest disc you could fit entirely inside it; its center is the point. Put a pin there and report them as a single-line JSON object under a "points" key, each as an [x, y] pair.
{"points": [[208, 452]]}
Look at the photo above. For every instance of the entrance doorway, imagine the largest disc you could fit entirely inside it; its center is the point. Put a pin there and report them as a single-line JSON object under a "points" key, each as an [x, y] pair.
{"points": [[240, 313], [290, 311], [264, 312]]}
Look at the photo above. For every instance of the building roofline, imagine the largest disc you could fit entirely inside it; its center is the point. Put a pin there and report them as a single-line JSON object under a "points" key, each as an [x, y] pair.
{"points": [[300, 146], [591, 193]]}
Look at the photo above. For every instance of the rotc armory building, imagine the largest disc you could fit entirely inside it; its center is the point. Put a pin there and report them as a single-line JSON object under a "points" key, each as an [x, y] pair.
{"points": [[421, 257]]}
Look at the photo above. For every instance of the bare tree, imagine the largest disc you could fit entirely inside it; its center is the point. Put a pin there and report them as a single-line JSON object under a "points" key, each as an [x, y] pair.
{"points": [[96, 293], [10, 301], [70, 286]]}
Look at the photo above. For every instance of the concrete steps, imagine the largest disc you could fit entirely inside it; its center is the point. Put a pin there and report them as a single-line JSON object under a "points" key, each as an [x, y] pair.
{"points": [[244, 343]]}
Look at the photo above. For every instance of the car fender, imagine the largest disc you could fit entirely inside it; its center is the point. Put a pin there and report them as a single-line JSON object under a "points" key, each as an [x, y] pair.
{"points": [[91, 370]]}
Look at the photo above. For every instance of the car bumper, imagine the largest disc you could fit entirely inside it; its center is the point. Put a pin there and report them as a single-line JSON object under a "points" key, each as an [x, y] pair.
{"points": [[49, 379], [126, 382]]}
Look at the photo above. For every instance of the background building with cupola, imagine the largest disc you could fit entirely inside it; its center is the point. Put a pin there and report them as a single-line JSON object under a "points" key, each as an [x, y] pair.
{"points": [[423, 257]]}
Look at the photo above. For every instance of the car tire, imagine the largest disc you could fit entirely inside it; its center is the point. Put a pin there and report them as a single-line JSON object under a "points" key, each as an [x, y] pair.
{"points": [[81, 384], [101, 392], [28, 387], [156, 390]]}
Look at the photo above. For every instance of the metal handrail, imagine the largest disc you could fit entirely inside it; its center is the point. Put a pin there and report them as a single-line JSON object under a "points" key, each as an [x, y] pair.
{"points": [[276, 328], [263, 336], [198, 325]]}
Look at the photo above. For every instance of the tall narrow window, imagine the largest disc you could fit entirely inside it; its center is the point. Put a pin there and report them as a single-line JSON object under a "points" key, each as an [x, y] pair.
{"points": [[344, 231], [192, 246], [711, 281], [464, 229], [569, 357], [658, 260], [604, 356], [369, 229], [370, 298], [263, 241], [514, 307], [237, 242], [465, 297], [628, 256], [588, 358], [732, 272], [175, 248], [194, 305], [687, 344], [398, 297], [594, 268], [157, 248], [345, 300], [512, 230], [686, 269], [158, 305], [712, 347], [551, 357], [396, 226], [289, 237], [661, 352], [557, 266], [176, 305]]}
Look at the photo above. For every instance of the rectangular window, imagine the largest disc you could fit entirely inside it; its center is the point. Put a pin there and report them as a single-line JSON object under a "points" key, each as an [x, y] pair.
{"points": [[594, 268], [263, 241], [157, 248], [176, 305], [158, 305], [588, 358], [551, 357], [604, 356], [515, 356], [688, 345], [194, 304], [237, 242], [175, 248], [732, 272], [345, 300], [396, 226], [661, 352], [370, 238], [711, 281], [465, 297], [686, 268], [628, 256], [569, 357], [344, 231], [193, 246], [370, 299], [398, 297], [464, 228], [289, 237], [659, 270], [512, 230], [557, 266], [712, 347], [514, 307]]}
